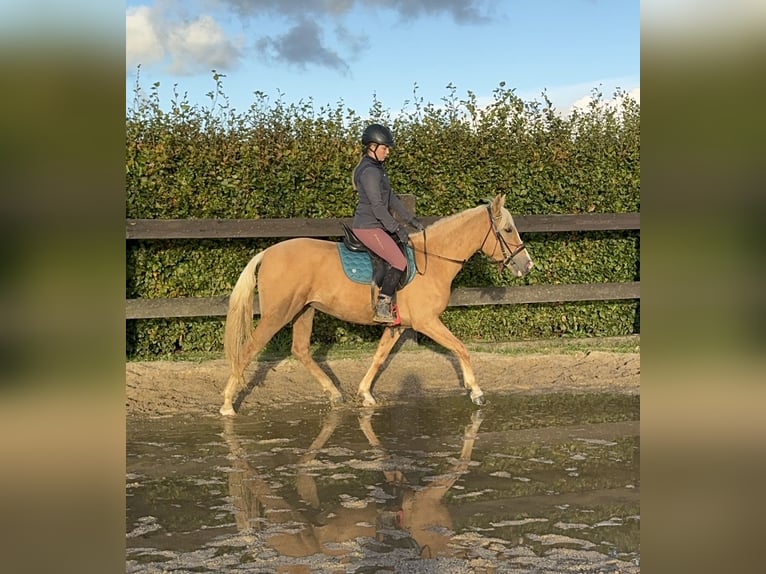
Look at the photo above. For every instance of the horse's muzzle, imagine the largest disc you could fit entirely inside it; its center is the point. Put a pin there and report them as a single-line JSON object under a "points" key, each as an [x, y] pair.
{"points": [[520, 269]]}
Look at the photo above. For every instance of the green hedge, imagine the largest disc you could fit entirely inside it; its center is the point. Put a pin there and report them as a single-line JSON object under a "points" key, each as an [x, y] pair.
{"points": [[292, 160]]}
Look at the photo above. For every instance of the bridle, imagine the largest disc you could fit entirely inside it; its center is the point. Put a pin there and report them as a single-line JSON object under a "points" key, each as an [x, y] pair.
{"points": [[508, 251]]}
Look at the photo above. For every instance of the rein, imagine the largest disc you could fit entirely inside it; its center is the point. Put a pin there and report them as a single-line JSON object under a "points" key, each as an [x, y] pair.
{"points": [[443, 257], [508, 252]]}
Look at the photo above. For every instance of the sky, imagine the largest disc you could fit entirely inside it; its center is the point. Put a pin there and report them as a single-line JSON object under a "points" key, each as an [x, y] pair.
{"points": [[395, 51]]}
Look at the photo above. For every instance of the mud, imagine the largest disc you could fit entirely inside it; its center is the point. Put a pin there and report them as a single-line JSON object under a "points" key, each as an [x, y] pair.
{"points": [[160, 388], [544, 478]]}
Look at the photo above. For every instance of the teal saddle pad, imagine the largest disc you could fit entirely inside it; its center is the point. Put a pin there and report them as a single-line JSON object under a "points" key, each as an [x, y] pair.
{"points": [[358, 265]]}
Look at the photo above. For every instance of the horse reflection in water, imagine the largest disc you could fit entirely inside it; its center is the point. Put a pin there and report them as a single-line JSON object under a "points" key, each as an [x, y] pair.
{"points": [[417, 518]]}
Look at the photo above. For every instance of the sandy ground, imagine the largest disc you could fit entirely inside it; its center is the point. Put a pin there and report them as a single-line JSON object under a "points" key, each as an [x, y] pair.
{"points": [[160, 388]]}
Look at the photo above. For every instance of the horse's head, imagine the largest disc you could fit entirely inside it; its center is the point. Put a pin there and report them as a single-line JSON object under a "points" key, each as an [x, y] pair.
{"points": [[506, 247]]}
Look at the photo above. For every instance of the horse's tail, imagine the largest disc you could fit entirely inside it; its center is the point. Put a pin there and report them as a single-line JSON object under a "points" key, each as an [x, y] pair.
{"points": [[239, 318]]}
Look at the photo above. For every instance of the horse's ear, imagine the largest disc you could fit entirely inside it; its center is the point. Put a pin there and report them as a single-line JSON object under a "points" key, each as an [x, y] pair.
{"points": [[497, 204], [485, 200]]}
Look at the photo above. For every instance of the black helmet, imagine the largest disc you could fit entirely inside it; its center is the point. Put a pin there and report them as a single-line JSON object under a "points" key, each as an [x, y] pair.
{"points": [[376, 133]]}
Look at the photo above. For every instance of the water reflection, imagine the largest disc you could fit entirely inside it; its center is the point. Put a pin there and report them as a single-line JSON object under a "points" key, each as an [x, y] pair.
{"points": [[400, 515], [538, 484]]}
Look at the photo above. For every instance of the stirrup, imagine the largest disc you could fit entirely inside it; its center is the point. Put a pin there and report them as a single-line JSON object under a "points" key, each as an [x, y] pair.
{"points": [[383, 312]]}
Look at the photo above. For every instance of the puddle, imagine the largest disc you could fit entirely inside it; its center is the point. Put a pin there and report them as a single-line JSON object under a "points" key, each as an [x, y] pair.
{"points": [[546, 483]]}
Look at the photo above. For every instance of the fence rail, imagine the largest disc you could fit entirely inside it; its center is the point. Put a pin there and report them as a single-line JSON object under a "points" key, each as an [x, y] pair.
{"points": [[331, 227], [148, 229]]}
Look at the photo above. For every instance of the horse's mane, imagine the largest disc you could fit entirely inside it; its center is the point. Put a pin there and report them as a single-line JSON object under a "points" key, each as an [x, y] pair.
{"points": [[446, 221], [506, 218]]}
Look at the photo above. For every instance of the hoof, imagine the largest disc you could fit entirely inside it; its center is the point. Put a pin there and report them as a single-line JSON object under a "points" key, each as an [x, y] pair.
{"points": [[479, 400], [368, 401], [336, 400], [227, 411]]}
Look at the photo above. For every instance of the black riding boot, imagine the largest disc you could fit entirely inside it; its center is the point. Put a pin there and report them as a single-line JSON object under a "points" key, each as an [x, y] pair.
{"points": [[387, 289]]}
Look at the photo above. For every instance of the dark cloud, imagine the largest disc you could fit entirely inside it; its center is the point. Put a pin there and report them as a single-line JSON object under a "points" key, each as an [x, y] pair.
{"points": [[463, 11], [302, 45], [292, 8], [317, 34], [354, 42]]}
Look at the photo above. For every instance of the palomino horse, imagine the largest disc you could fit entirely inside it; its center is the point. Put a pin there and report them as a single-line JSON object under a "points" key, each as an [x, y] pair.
{"points": [[298, 276]]}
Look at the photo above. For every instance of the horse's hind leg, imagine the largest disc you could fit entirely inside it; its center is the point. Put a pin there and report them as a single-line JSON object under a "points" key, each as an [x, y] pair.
{"points": [[387, 341], [437, 331], [302, 326], [262, 334]]}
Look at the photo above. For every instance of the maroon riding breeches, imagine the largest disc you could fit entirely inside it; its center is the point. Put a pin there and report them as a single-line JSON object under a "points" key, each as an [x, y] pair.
{"points": [[382, 244]]}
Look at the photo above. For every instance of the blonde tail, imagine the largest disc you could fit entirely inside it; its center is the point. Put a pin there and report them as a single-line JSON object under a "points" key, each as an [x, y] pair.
{"points": [[239, 319]]}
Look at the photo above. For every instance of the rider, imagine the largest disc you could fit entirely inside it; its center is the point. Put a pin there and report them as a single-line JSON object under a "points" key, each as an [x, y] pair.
{"points": [[374, 223]]}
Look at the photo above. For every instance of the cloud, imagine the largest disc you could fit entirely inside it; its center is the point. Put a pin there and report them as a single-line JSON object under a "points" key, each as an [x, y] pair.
{"points": [[302, 45], [164, 31], [305, 42], [463, 11], [153, 36], [583, 103], [353, 42], [291, 8], [142, 42], [200, 46]]}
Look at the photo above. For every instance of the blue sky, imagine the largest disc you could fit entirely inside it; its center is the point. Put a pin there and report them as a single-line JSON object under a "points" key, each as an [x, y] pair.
{"points": [[329, 51]]}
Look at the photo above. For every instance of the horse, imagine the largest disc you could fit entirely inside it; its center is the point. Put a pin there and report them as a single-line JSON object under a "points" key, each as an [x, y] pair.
{"points": [[299, 276]]}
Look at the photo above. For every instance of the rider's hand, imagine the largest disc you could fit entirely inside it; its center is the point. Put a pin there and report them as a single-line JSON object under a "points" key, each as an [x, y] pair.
{"points": [[416, 224], [404, 237]]}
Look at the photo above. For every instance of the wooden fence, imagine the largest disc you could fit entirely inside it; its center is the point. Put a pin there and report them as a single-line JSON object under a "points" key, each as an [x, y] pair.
{"points": [[331, 227]]}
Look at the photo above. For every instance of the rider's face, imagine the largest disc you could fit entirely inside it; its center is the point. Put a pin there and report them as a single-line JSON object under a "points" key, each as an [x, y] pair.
{"points": [[380, 152]]}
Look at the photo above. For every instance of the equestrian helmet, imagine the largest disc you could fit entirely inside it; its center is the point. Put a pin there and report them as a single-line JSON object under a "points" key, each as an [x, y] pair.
{"points": [[376, 133]]}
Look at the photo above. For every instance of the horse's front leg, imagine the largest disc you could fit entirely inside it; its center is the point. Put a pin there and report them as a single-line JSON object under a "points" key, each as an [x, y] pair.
{"points": [[387, 341], [437, 331]]}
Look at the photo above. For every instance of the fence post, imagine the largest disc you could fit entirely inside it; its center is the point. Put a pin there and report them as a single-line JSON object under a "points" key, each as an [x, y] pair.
{"points": [[408, 200]]}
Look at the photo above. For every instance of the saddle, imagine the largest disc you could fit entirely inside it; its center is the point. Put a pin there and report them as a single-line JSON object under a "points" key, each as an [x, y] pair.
{"points": [[363, 266]]}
